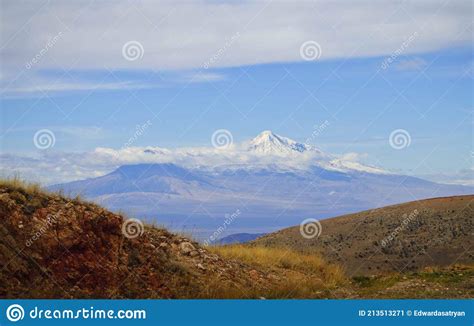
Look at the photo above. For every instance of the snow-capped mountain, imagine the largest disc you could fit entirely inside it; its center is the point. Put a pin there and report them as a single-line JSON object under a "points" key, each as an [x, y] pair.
{"points": [[273, 180], [269, 143], [347, 166], [267, 150]]}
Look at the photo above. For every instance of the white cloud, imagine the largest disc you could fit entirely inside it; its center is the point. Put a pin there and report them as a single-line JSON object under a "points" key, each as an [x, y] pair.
{"points": [[82, 132], [463, 177], [185, 34], [52, 167], [355, 157], [48, 87], [207, 35], [411, 64], [56, 167], [202, 77]]}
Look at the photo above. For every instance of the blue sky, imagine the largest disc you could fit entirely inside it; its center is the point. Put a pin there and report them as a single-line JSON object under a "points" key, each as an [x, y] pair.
{"points": [[426, 90], [289, 99]]}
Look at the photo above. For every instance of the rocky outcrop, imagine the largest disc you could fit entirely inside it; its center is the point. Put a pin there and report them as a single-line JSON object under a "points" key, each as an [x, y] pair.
{"points": [[54, 247]]}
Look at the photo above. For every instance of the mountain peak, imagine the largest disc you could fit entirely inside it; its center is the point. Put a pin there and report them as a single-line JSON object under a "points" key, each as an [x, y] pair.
{"points": [[268, 135], [267, 142]]}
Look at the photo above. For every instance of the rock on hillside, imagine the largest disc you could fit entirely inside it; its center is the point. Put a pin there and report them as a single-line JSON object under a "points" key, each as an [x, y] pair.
{"points": [[53, 247]]}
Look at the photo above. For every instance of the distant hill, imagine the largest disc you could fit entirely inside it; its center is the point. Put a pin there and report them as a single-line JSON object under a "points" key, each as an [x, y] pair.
{"points": [[239, 238], [399, 238]]}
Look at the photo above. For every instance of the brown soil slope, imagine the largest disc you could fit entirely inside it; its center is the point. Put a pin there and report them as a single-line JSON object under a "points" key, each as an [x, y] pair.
{"points": [[400, 238], [53, 247]]}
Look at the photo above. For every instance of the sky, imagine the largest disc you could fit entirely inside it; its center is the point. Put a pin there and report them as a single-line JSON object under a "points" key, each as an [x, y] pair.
{"points": [[343, 77]]}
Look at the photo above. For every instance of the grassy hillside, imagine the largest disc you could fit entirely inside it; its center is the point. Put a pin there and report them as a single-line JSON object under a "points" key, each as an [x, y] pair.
{"points": [[399, 238], [56, 247], [298, 275]]}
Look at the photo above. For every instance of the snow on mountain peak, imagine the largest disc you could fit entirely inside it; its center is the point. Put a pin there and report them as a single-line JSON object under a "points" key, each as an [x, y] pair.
{"points": [[268, 142], [266, 149]]}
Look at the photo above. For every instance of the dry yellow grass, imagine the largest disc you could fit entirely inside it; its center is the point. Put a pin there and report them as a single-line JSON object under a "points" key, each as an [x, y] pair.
{"points": [[32, 188], [15, 182], [305, 276]]}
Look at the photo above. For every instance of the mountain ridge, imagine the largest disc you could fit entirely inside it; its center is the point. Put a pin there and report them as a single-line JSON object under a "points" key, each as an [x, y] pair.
{"points": [[172, 193]]}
